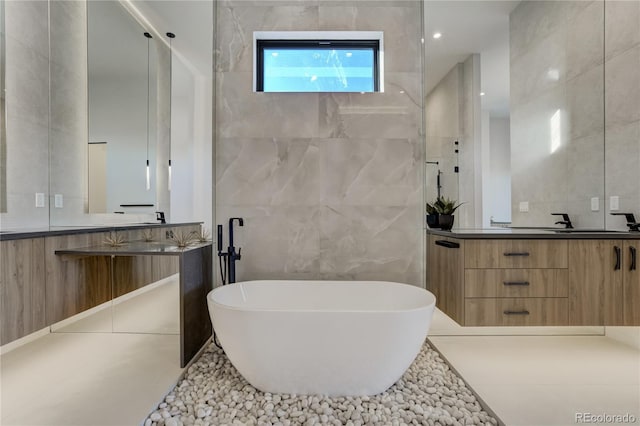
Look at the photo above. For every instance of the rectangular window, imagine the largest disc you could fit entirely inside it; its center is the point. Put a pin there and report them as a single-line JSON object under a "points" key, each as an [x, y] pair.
{"points": [[317, 65]]}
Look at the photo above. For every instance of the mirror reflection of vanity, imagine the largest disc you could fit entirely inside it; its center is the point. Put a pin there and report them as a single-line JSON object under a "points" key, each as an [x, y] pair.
{"points": [[45, 183], [57, 75], [528, 89]]}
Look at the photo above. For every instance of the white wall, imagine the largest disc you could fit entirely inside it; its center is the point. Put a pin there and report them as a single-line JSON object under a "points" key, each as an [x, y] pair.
{"points": [[191, 147], [122, 124], [485, 168]]}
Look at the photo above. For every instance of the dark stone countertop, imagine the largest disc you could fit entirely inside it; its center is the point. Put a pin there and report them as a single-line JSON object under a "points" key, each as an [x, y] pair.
{"points": [[24, 233], [535, 234], [134, 248]]}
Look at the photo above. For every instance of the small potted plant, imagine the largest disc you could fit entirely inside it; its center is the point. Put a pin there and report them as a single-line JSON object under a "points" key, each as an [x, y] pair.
{"points": [[432, 216], [445, 208]]}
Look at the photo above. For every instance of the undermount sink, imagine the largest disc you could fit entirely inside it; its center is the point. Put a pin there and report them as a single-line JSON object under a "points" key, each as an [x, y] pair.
{"points": [[579, 231]]}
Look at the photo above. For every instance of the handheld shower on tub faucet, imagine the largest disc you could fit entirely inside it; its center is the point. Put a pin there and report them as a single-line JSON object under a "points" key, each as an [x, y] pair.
{"points": [[228, 258]]}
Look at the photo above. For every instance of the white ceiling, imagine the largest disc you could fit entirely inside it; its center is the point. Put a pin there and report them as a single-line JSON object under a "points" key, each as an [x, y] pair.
{"points": [[468, 27], [192, 23]]}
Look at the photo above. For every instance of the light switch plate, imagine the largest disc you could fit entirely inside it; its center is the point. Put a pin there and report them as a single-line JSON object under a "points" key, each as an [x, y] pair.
{"points": [[614, 203], [39, 199], [524, 206], [58, 201], [595, 204]]}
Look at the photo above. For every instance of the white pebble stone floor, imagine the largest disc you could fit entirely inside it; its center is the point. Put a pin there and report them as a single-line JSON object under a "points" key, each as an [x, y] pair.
{"points": [[212, 392]]}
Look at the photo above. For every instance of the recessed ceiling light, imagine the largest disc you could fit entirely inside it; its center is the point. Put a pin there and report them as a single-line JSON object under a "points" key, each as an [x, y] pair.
{"points": [[274, 54], [348, 54], [481, 93], [437, 35]]}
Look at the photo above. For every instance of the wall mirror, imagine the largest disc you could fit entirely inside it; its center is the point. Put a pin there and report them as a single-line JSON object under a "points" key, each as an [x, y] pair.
{"points": [[525, 103], [122, 89], [3, 131], [51, 90]]}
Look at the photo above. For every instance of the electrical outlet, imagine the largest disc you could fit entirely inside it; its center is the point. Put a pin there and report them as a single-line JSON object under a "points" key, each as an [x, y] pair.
{"points": [[168, 234], [524, 206], [39, 199], [595, 204], [58, 201], [614, 203]]}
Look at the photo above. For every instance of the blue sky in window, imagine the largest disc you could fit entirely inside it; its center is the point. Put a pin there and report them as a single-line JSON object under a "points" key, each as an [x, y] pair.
{"points": [[318, 70]]}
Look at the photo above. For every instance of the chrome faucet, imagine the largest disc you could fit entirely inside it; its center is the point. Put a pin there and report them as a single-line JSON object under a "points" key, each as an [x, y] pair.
{"points": [[566, 222]]}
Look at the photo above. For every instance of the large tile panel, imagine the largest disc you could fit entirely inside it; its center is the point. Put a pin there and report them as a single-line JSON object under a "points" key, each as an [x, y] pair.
{"points": [[277, 242], [244, 113], [622, 88], [371, 172], [622, 26], [268, 172], [375, 243], [585, 38], [402, 30], [238, 20]]}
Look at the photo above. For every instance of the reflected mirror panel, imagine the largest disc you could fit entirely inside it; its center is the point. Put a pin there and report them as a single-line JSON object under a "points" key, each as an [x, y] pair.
{"points": [[515, 111], [3, 130], [25, 115], [122, 111]]}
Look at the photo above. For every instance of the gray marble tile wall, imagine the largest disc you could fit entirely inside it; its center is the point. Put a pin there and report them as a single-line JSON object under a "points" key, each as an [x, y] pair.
{"points": [[329, 184], [27, 112], [557, 111], [622, 106]]}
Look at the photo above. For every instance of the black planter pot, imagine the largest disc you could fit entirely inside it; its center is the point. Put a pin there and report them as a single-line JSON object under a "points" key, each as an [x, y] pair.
{"points": [[432, 221], [446, 221]]}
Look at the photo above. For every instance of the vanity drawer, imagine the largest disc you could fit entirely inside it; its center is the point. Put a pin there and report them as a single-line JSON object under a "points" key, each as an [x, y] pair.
{"points": [[516, 254], [516, 283], [541, 311]]}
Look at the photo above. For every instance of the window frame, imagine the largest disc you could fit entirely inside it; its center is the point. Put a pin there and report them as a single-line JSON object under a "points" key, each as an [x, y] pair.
{"points": [[321, 40]]}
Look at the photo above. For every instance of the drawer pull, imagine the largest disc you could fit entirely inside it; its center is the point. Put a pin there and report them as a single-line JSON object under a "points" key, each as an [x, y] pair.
{"points": [[523, 283], [523, 312], [618, 253], [447, 244], [509, 253], [632, 252]]}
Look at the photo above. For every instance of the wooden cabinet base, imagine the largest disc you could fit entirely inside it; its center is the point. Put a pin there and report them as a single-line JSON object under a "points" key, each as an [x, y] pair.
{"points": [[543, 311]]}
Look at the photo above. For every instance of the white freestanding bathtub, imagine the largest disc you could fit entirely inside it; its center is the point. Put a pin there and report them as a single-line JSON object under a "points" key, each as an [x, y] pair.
{"points": [[335, 338]]}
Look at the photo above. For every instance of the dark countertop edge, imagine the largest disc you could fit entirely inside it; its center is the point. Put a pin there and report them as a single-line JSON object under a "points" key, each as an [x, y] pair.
{"points": [[534, 235], [127, 251], [89, 229]]}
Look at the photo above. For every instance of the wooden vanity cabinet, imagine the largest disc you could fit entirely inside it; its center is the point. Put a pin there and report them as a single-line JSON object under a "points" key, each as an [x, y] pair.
{"points": [[22, 288], [39, 288], [75, 284], [631, 282], [503, 282], [499, 282], [515, 282], [604, 282], [445, 275]]}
